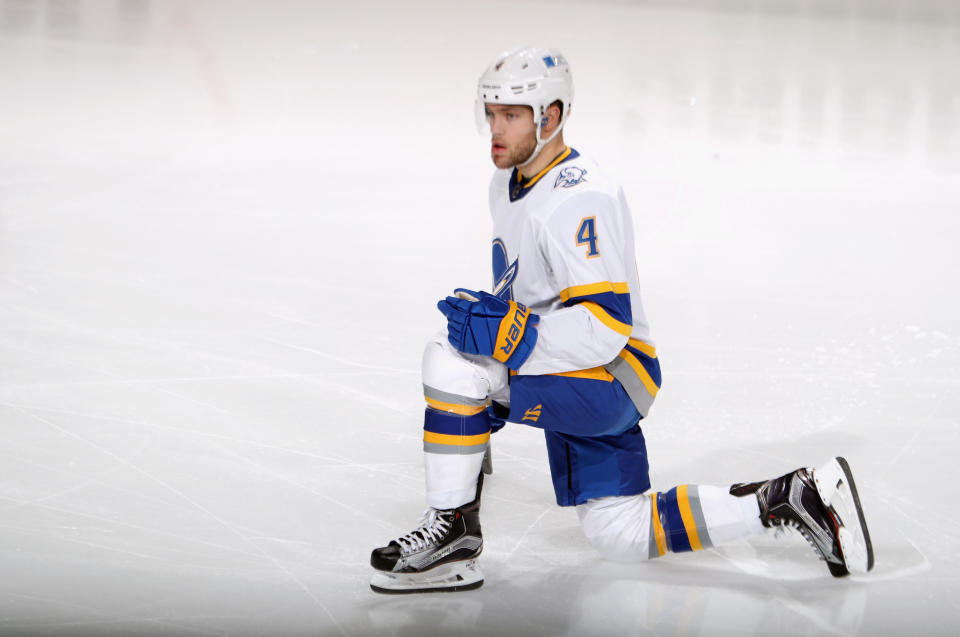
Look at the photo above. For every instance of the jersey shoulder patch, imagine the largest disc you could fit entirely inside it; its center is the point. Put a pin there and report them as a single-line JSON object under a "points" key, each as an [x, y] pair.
{"points": [[570, 176]]}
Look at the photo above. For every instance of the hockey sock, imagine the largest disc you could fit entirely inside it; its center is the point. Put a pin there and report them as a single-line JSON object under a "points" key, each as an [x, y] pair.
{"points": [[693, 517], [729, 517], [685, 518], [453, 445]]}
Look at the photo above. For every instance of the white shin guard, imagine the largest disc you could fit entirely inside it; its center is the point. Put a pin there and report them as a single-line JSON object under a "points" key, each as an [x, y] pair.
{"points": [[451, 478]]}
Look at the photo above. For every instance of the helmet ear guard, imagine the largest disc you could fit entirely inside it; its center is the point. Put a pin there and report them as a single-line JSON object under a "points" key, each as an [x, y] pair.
{"points": [[527, 76]]}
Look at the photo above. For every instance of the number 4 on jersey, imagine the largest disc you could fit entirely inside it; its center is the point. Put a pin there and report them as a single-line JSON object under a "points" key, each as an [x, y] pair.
{"points": [[587, 236]]}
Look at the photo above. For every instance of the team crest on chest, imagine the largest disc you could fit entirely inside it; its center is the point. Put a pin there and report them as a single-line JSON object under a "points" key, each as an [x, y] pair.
{"points": [[504, 272], [570, 176]]}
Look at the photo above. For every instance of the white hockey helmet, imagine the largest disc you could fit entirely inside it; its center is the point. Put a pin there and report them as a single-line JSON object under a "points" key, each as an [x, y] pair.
{"points": [[531, 77]]}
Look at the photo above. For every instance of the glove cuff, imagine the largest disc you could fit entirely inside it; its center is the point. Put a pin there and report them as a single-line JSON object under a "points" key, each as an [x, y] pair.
{"points": [[525, 347], [510, 331]]}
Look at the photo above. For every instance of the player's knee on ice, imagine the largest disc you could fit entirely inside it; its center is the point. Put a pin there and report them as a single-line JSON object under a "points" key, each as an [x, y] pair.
{"points": [[618, 526]]}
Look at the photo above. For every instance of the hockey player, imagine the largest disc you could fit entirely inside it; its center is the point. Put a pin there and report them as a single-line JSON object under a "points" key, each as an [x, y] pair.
{"points": [[562, 343]]}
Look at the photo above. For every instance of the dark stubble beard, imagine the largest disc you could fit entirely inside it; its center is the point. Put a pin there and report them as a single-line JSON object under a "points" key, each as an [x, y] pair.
{"points": [[522, 152]]}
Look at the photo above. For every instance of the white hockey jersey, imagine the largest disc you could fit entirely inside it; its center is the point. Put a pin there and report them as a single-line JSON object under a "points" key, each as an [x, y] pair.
{"points": [[564, 246]]}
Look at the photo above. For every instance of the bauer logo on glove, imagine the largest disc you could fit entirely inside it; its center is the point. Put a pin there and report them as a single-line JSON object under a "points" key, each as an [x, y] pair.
{"points": [[484, 324]]}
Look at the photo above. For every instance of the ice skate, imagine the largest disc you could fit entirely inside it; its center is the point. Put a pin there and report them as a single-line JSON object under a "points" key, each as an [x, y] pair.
{"points": [[440, 555], [823, 505]]}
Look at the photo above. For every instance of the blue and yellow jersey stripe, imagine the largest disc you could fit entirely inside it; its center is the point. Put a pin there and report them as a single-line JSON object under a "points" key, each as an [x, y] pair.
{"points": [[520, 185], [643, 374], [604, 316], [638, 370], [593, 373], [608, 301], [593, 288]]}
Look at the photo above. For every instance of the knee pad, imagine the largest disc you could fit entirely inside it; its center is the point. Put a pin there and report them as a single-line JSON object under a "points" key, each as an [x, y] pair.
{"points": [[456, 422], [617, 526], [452, 374]]}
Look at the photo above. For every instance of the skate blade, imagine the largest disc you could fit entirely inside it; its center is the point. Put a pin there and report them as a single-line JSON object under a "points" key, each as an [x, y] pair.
{"points": [[456, 576], [837, 489]]}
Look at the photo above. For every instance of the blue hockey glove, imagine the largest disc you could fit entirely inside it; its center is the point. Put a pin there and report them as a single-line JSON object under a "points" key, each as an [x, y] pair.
{"points": [[481, 323], [498, 415]]}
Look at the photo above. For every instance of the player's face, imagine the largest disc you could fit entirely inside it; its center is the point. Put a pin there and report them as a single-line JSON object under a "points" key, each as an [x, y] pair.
{"points": [[512, 132]]}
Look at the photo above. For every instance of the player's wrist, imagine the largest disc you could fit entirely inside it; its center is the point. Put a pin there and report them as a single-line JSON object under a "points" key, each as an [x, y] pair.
{"points": [[515, 324], [524, 347]]}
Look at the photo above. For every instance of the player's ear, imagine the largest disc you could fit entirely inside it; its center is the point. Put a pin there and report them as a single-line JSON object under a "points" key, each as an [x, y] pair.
{"points": [[552, 117]]}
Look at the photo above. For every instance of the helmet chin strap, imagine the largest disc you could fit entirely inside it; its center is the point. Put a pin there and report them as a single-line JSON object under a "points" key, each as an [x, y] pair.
{"points": [[540, 144]]}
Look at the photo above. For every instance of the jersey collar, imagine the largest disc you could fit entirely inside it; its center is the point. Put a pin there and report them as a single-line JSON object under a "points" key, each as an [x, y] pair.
{"points": [[520, 185]]}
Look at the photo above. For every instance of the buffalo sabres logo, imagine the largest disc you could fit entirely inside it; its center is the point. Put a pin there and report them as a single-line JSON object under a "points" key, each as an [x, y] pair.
{"points": [[503, 286], [504, 272], [570, 176]]}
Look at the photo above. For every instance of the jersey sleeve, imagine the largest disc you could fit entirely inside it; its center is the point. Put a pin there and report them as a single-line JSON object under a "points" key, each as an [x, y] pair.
{"points": [[583, 245]]}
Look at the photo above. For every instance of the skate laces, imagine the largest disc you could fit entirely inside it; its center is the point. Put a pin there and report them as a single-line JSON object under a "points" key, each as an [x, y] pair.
{"points": [[432, 527], [787, 524], [787, 527]]}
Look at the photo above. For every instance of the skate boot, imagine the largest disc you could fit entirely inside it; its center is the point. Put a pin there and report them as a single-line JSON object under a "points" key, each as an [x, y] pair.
{"points": [[823, 505], [440, 555]]}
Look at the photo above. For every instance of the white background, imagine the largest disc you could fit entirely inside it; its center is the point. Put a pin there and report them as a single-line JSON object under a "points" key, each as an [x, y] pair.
{"points": [[224, 227]]}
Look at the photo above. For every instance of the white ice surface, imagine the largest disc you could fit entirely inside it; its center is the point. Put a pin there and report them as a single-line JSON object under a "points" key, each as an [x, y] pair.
{"points": [[223, 229]]}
